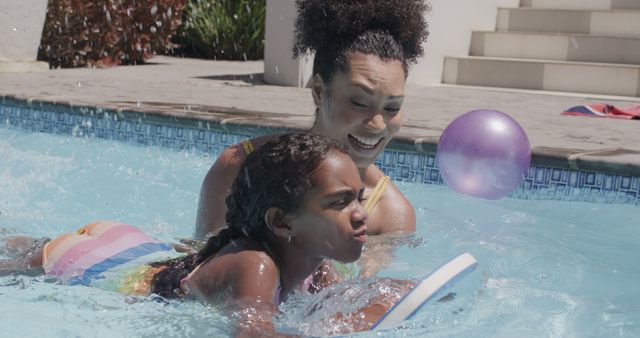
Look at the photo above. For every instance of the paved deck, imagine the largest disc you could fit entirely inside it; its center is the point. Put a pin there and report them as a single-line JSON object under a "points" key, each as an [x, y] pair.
{"points": [[234, 93]]}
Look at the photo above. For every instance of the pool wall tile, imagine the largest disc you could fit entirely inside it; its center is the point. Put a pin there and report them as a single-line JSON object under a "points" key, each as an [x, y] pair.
{"points": [[405, 166]]}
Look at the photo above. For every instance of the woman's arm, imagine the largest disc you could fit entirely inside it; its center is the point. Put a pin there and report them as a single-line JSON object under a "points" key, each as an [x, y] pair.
{"points": [[212, 209], [394, 213]]}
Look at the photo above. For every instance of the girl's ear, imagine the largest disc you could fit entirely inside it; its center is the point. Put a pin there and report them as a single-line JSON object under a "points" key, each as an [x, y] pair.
{"points": [[277, 223], [317, 87]]}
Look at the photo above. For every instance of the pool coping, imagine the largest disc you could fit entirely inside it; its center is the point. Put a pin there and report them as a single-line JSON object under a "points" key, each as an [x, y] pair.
{"points": [[614, 160]]}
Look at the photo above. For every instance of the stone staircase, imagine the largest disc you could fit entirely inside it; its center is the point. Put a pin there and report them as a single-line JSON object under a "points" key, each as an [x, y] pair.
{"points": [[578, 46]]}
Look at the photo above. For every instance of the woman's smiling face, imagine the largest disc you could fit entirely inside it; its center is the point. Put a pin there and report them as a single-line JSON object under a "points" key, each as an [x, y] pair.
{"points": [[331, 223], [362, 107]]}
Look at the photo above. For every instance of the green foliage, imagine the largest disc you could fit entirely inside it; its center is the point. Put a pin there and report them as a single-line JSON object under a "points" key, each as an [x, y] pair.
{"points": [[223, 29]]}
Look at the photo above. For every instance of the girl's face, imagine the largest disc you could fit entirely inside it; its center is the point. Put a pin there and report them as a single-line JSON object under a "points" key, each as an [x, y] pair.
{"points": [[362, 108], [331, 223]]}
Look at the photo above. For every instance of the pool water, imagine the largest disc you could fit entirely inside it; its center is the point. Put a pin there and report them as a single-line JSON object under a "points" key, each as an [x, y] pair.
{"points": [[546, 268]]}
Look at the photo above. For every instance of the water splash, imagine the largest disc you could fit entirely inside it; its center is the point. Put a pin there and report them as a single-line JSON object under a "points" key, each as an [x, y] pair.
{"points": [[323, 313]]}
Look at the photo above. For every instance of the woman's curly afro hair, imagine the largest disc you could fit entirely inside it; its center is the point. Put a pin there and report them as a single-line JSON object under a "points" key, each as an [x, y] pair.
{"points": [[389, 29]]}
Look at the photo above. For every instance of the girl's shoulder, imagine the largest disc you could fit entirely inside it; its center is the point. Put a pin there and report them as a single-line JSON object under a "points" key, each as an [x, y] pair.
{"points": [[234, 155], [243, 254], [243, 267]]}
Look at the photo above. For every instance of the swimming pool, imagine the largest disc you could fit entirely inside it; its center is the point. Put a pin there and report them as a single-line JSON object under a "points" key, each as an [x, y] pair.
{"points": [[547, 268]]}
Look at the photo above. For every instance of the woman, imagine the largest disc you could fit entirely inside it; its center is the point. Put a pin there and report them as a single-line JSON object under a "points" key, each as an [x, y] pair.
{"points": [[282, 226], [363, 51]]}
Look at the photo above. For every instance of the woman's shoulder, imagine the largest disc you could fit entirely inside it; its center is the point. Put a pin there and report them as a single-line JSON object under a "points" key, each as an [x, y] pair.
{"points": [[234, 155], [393, 212]]}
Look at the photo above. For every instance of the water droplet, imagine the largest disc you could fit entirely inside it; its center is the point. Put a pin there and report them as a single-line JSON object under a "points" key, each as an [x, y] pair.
{"points": [[574, 42], [246, 178]]}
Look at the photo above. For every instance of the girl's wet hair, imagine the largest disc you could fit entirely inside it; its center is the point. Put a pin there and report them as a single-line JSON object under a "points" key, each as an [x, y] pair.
{"points": [[389, 29], [278, 174]]}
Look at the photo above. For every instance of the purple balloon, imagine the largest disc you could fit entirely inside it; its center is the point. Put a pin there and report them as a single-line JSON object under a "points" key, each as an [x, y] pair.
{"points": [[483, 153]]}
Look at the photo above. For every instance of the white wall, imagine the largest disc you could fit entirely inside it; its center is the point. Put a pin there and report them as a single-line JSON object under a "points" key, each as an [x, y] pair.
{"points": [[450, 26], [21, 24], [279, 66]]}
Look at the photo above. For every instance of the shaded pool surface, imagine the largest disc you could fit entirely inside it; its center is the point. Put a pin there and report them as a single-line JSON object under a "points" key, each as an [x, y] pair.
{"points": [[546, 268]]}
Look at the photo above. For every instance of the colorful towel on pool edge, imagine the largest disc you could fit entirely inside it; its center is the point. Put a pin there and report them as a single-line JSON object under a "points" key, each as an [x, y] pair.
{"points": [[604, 110]]}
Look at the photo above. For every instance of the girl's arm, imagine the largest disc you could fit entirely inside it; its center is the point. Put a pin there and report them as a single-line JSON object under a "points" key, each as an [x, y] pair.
{"points": [[382, 299], [325, 275], [250, 285]]}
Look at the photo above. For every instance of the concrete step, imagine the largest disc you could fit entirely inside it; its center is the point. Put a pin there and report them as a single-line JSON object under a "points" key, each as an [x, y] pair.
{"points": [[609, 23], [604, 5], [555, 46], [576, 77]]}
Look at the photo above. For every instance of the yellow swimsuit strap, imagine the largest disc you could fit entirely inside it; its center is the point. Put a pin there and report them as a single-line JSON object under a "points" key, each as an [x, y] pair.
{"points": [[247, 146], [377, 193]]}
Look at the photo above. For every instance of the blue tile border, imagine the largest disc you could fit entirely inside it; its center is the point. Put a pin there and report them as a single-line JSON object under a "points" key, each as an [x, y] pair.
{"points": [[401, 165], [108, 125]]}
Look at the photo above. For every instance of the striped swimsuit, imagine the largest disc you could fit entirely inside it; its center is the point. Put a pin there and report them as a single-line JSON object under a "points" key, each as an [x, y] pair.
{"points": [[105, 254]]}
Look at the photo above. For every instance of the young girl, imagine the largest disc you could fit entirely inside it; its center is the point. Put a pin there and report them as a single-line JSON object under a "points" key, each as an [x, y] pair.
{"points": [[295, 202]]}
